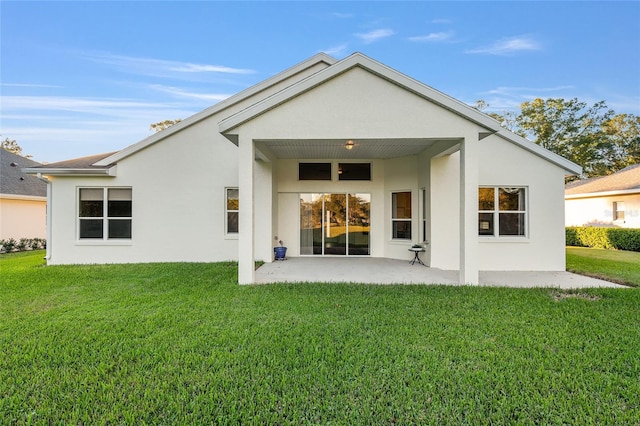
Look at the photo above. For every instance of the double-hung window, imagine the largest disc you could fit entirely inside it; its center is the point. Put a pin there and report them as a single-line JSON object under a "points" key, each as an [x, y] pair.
{"points": [[502, 211], [232, 210], [401, 215], [104, 213]]}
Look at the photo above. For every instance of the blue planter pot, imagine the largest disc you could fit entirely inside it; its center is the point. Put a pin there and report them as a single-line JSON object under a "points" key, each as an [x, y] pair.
{"points": [[280, 252]]}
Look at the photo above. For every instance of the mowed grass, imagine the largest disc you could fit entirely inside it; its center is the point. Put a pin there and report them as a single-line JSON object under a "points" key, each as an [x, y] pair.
{"points": [[184, 344], [613, 265]]}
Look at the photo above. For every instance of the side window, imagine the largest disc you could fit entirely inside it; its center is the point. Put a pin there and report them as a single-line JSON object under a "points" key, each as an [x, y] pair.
{"points": [[104, 213], [232, 210], [401, 215], [502, 211]]}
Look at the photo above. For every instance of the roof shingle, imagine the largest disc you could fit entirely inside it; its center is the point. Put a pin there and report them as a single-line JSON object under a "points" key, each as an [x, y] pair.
{"points": [[623, 180], [13, 181]]}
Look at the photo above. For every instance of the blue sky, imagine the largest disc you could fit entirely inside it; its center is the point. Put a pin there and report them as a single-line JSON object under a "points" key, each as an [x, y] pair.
{"points": [[81, 78]]}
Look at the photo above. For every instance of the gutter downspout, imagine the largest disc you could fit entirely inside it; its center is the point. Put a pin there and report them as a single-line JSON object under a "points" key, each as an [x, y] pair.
{"points": [[49, 221]]}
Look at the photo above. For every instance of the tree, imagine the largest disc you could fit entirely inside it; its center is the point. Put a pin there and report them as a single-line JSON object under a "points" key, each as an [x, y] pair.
{"points": [[623, 142], [12, 146], [592, 136], [507, 119], [162, 125]]}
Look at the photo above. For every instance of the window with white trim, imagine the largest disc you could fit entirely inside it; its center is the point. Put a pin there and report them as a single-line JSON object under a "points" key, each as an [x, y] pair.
{"points": [[401, 215], [502, 211], [232, 211], [104, 213]]}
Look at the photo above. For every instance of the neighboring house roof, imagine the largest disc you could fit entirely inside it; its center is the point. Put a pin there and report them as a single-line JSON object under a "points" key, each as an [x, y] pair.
{"points": [[76, 166], [14, 182], [625, 181]]}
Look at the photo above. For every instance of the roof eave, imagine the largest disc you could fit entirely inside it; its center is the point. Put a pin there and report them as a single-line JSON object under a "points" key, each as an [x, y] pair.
{"points": [[21, 197], [60, 171], [603, 193]]}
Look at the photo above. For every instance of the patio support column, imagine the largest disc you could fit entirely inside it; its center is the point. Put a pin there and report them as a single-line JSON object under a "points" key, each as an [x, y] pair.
{"points": [[246, 228], [469, 210]]}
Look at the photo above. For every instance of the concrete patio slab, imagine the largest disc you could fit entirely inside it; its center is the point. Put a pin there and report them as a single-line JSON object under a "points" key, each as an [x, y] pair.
{"points": [[392, 271]]}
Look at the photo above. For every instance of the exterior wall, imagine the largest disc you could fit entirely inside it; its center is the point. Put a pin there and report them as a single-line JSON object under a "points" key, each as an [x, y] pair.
{"points": [[178, 202], [598, 211], [356, 105], [504, 164], [23, 218]]}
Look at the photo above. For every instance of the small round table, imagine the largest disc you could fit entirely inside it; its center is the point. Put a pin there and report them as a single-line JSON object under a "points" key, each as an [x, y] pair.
{"points": [[416, 251]]}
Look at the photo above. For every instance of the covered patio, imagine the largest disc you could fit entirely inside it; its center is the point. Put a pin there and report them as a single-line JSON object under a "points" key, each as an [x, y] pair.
{"points": [[393, 271]]}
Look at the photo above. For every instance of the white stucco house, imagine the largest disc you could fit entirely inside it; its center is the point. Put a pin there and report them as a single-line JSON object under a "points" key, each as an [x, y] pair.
{"points": [[23, 200], [334, 157], [612, 200]]}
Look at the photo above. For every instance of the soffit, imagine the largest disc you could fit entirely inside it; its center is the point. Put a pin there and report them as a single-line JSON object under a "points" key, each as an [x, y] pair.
{"points": [[335, 148]]}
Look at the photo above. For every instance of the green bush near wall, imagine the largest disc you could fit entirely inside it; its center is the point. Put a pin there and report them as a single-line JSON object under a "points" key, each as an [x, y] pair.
{"points": [[605, 238]]}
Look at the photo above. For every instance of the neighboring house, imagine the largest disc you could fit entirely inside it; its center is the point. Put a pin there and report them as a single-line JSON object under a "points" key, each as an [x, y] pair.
{"points": [[23, 199], [335, 158], [612, 200]]}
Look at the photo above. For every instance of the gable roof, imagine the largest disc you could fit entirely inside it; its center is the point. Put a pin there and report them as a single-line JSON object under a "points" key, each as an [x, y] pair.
{"points": [[220, 106], [626, 180], [357, 59], [106, 164], [13, 181]]}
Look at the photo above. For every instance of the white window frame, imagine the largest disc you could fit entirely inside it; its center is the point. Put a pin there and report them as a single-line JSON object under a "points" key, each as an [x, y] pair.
{"points": [[105, 218], [409, 219], [231, 235], [496, 213]]}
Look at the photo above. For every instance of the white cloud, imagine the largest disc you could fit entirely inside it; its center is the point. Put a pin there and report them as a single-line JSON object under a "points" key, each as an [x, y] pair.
{"points": [[162, 68], [83, 105], [34, 85], [375, 35], [176, 91], [510, 97], [187, 67], [336, 50], [508, 46], [433, 37]]}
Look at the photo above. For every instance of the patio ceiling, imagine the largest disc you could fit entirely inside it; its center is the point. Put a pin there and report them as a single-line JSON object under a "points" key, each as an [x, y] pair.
{"points": [[337, 148]]}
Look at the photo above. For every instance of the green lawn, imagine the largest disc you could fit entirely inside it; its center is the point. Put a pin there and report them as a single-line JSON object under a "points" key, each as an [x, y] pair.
{"points": [[613, 265], [183, 344]]}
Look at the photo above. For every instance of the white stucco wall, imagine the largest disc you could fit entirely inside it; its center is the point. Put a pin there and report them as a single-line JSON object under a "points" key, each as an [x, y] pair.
{"points": [[178, 204], [23, 218], [598, 211], [505, 164]]}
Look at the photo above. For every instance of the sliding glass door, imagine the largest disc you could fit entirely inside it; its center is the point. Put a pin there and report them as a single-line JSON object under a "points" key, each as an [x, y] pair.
{"points": [[334, 224]]}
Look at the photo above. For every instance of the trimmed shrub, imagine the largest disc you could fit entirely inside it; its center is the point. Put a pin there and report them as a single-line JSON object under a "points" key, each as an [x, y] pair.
{"points": [[11, 245], [604, 238]]}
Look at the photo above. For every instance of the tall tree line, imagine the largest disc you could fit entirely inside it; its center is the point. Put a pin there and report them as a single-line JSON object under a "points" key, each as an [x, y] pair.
{"points": [[595, 137]]}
